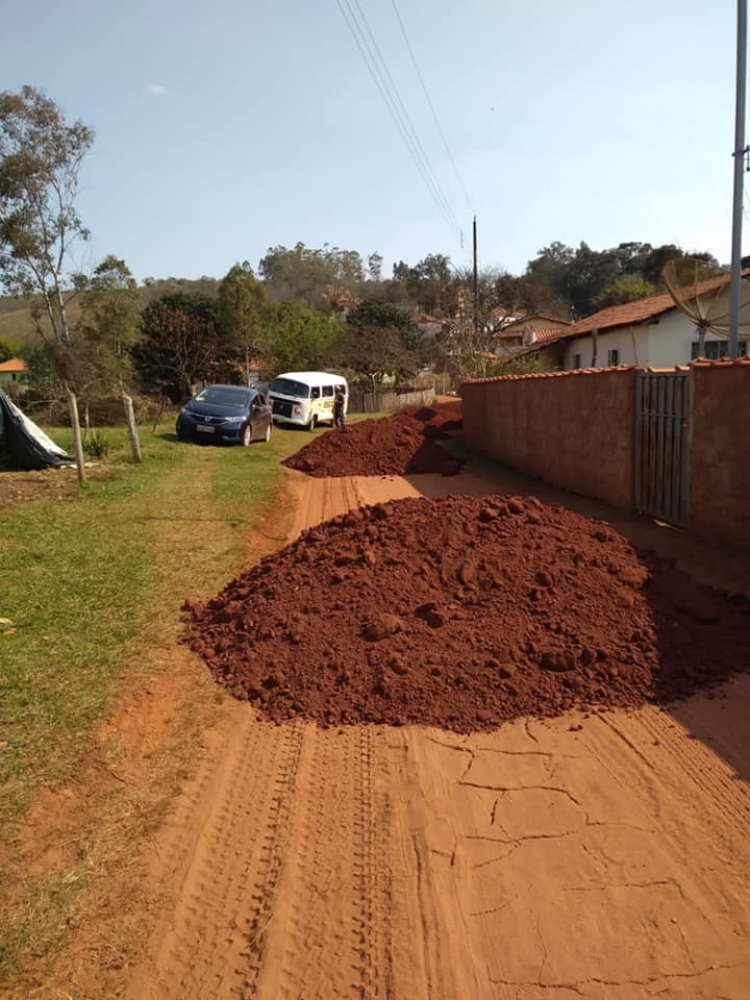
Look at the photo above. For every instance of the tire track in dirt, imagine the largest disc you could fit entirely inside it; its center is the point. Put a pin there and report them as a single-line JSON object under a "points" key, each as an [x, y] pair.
{"points": [[609, 862], [226, 889], [330, 930]]}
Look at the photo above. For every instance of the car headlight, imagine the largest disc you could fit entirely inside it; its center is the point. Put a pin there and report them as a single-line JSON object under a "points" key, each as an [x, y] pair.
{"points": [[298, 409]]}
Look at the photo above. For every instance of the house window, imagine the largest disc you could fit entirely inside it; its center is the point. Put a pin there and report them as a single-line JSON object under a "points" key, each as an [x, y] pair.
{"points": [[613, 358], [576, 360], [715, 349]]}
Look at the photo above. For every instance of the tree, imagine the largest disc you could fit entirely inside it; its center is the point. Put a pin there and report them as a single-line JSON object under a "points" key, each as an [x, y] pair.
{"points": [[581, 280], [244, 312], [111, 312], [179, 346], [374, 267], [340, 300], [429, 283], [302, 273], [653, 264], [40, 160], [110, 327], [302, 339], [380, 340], [627, 288], [6, 351]]}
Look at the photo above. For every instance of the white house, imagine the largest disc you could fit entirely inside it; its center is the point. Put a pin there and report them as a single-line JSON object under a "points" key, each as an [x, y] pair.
{"points": [[514, 333], [652, 333]]}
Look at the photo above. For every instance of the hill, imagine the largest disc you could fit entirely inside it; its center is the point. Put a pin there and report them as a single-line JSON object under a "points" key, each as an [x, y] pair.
{"points": [[17, 326]]}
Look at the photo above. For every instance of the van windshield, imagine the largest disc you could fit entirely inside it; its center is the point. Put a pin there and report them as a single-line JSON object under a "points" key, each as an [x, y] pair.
{"points": [[290, 387]]}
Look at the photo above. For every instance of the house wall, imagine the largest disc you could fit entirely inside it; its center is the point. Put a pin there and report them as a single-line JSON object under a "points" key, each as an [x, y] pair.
{"points": [[573, 430], [507, 345], [535, 323], [631, 342], [666, 342], [720, 452], [672, 340]]}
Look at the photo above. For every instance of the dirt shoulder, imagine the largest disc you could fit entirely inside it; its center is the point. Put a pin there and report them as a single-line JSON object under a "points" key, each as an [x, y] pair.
{"points": [[594, 855]]}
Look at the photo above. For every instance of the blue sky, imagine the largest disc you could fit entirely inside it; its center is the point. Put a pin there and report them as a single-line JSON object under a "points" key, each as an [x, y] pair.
{"points": [[228, 126]]}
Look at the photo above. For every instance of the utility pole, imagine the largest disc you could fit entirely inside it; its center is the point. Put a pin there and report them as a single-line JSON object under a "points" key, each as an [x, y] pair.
{"points": [[476, 288], [740, 153]]}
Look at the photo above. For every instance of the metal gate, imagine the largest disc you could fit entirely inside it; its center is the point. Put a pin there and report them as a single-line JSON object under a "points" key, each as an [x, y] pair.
{"points": [[661, 445]]}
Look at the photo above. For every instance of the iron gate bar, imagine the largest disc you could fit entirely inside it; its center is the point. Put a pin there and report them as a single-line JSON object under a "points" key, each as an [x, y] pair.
{"points": [[661, 428]]}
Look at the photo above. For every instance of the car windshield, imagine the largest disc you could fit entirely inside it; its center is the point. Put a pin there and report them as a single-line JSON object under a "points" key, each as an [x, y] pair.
{"points": [[290, 387], [223, 395]]}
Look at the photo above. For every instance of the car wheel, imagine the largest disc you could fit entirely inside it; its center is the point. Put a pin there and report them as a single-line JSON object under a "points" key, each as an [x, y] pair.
{"points": [[247, 435], [267, 436], [313, 422]]}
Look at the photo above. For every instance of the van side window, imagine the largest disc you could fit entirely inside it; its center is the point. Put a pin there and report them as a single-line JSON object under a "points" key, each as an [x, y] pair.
{"points": [[328, 390], [315, 393]]}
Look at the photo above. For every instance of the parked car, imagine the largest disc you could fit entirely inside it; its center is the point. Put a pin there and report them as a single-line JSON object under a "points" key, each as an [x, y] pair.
{"points": [[230, 413]]}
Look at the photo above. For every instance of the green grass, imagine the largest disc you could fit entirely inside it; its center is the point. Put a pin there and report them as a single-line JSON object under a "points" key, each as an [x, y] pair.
{"points": [[90, 584], [92, 587]]}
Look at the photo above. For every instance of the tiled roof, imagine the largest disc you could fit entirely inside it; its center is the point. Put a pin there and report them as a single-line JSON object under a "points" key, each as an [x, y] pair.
{"points": [[523, 321], [641, 311], [628, 314], [573, 373], [620, 369], [541, 335], [14, 365]]}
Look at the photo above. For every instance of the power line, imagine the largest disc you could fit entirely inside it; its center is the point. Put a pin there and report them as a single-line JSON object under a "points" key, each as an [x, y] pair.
{"points": [[370, 52], [405, 114], [402, 115], [432, 108]]}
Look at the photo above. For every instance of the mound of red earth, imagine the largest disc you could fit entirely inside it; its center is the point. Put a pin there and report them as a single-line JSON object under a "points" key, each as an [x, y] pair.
{"points": [[400, 445], [463, 613]]}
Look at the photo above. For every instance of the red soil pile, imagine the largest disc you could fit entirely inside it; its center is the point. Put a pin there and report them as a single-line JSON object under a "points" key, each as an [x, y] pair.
{"points": [[400, 445], [463, 613]]}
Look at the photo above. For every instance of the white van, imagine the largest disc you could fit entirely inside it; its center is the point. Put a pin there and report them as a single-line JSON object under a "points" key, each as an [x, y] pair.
{"points": [[305, 398]]}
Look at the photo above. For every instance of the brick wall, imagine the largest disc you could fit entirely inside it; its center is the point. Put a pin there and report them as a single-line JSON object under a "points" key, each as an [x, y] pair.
{"points": [[575, 430], [720, 451]]}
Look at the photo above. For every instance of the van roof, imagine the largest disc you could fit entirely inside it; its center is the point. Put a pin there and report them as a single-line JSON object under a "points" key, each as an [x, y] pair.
{"points": [[312, 376]]}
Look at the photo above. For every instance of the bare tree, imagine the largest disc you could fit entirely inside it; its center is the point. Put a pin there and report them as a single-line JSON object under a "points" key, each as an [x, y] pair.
{"points": [[40, 161]]}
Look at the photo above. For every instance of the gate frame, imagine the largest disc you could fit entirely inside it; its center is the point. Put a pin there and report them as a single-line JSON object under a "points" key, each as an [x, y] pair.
{"points": [[663, 437]]}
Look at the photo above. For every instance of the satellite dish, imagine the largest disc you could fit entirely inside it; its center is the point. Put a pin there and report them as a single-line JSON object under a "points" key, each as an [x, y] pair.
{"points": [[701, 292]]}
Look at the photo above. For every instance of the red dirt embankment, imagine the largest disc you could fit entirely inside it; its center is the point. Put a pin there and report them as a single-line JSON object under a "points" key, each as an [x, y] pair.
{"points": [[400, 445], [463, 613]]}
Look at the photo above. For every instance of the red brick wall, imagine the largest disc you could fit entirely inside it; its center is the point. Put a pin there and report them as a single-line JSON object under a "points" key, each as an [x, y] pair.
{"points": [[574, 430], [720, 452]]}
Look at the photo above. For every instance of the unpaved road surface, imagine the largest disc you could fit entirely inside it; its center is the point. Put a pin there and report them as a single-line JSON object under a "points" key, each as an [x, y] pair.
{"points": [[604, 857]]}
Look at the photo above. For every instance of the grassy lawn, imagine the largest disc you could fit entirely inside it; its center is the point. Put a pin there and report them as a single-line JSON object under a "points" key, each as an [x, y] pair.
{"points": [[86, 584], [91, 586]]}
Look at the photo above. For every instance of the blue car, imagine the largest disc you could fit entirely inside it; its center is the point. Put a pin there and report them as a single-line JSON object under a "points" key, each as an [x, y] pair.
{"points": [[226, 413]]}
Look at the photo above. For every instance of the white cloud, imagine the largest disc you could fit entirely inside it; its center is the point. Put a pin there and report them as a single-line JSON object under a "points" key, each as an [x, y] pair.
{"points": [[156, 90]]}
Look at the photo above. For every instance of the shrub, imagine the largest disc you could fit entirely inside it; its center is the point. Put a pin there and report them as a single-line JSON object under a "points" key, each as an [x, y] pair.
{"points": [[96, 444]]}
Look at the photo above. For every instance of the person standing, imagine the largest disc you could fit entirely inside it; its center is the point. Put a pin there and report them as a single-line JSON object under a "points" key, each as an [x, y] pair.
{"points": [[339, 399]]}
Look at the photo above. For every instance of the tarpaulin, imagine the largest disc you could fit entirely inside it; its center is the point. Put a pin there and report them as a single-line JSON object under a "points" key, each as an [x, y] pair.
{"points": [[26, 444]]}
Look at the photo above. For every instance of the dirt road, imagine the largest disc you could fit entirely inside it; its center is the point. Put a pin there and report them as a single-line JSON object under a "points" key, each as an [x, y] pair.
{"points": [[597, 857]]}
